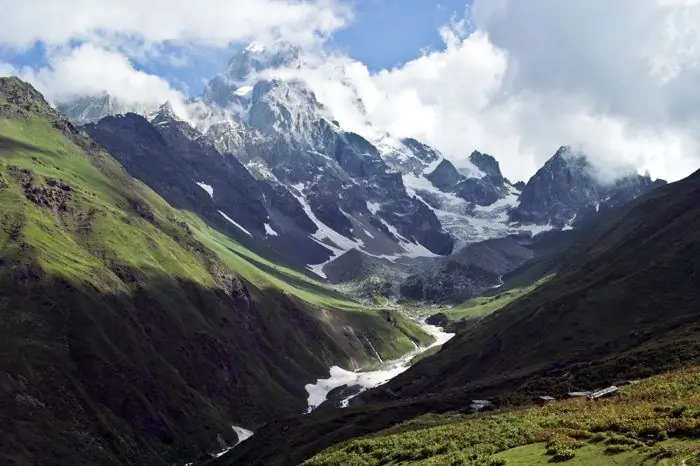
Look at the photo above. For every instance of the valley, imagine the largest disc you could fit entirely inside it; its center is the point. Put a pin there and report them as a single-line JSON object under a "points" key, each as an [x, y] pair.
{"points": [[244, 281]]}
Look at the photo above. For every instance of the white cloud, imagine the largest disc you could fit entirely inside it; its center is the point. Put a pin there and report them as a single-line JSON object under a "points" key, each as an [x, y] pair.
{"points": [[206, 22], [516, 79], [616, 79], [89, 70], [113, 37]]}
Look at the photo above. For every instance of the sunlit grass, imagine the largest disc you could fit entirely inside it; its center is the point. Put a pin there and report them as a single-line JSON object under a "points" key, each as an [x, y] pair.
{"points": [[656, 421]]}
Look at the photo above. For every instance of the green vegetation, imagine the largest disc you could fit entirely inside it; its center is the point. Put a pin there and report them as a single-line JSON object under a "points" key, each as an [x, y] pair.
{"points": [[484, 305], [134, 241], [146, 243], [132, 332], [656, 421]]}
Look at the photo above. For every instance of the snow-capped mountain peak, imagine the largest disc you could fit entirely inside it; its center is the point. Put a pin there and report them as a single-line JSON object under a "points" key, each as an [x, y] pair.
{"points": [[92, 108]]}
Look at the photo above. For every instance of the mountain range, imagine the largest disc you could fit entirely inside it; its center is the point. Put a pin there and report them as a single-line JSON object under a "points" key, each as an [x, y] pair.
{"points": [[272, 158]]}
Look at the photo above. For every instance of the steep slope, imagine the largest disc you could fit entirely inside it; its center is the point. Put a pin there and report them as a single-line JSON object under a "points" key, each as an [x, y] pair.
{"points": [[567, 189], [179, 164], [133, 332], [631, 283], [623, 306]]}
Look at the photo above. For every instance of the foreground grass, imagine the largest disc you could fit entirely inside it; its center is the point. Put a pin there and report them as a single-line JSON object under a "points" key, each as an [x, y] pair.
{"points": [[484, 305], [656, 421]]}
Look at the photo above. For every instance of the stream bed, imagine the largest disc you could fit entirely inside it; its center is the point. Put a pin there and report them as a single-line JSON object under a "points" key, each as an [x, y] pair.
{"points": [[364, 380]]}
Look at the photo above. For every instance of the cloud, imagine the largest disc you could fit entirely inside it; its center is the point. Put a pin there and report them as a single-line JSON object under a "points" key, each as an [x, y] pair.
{"points": [[93, 46], [89, 71], [515, 79], [519, 79], [214, 23]]}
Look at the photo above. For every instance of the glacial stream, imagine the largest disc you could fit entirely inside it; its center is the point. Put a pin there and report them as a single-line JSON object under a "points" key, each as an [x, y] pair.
{"points": [[318, 392], [363, 380]]}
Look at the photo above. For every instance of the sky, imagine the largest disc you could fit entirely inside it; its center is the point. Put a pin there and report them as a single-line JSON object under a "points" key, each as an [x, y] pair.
{"points": [[512, 78]]}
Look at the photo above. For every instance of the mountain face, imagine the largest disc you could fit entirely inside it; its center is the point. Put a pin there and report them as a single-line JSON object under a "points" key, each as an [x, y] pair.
{"points": [[85, 110], [183, 167], [144, 330], [566, 189], [330, 191], [288, 138], [623, 305]]}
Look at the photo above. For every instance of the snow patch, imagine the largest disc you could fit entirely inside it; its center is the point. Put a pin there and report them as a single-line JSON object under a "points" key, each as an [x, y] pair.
{"points": [[373, 207], [255, 47], [243, 90], [433, 165], [207, 188], [233, 222], [243, 434], [536, 229], [269, 231], [324, 232]]}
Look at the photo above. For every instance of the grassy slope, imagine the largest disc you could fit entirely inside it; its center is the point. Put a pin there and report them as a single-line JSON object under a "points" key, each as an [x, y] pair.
{"points": [[484, 305], [136, 339], [656, 421], [136, 242]]}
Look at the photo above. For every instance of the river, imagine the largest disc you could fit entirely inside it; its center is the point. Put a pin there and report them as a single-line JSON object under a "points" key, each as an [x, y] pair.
{"points": [[363, 379], [318, 391]]}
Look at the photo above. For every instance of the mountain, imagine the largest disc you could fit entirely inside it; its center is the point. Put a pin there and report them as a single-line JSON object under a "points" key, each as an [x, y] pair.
{"points": [[329, 191], [622, 306], [469, 272], [568, 188], [183, 167], [624, 297], [286, 136], [135, 332], [90, 109]]}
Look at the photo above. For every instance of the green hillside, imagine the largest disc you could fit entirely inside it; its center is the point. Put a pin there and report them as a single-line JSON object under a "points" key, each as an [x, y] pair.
{"points": [[481, 306], [656, 421], [133, 332]]}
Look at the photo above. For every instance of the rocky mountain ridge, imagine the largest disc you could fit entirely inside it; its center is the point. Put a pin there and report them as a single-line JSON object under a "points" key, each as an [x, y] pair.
{"points": [[388, 198]]}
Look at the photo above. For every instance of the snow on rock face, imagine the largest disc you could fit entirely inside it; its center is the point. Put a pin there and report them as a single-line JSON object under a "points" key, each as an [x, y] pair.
{"points": [[233, 222], [324, 232], [243, 90], [269, 230], [373, 207], [241, 433], [207, 188], [467, 223], [318, 391]]}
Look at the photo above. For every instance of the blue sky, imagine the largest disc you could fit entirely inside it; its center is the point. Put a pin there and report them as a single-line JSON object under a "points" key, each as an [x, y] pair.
{"points": [[388, 33]]}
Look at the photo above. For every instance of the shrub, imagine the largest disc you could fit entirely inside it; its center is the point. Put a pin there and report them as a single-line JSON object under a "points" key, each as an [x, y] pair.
{"points": [[618, 448], [564, 454], [615, 439], [660, 452]]}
